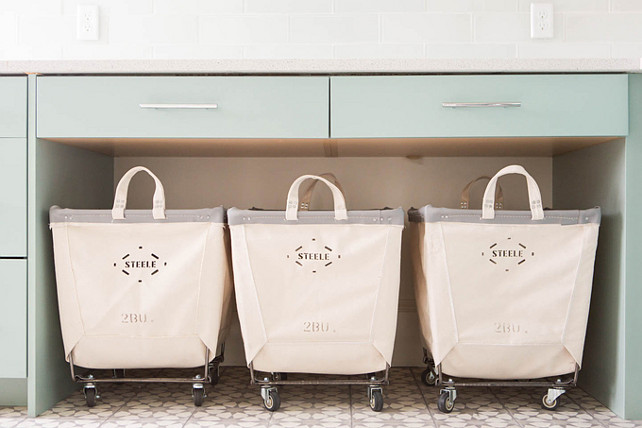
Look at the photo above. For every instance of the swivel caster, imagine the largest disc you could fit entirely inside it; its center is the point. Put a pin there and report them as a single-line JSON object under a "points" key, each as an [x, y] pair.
{"points": [[428, 377], [375, 398], [446, 401], [271, 399], [551, 400], [215, 374], [198, 393], [91, 394]]}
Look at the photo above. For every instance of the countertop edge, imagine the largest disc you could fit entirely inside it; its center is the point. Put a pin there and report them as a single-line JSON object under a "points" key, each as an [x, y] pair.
{"points": [[332, 66]]}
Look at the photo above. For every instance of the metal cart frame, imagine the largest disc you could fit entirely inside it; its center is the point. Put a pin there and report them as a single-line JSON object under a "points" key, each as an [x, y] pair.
{"points": [[272, 400], [434, 376], [211, 375]]}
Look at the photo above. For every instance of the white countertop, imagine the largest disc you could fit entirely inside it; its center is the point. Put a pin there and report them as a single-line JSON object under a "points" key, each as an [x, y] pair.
{"points": [[319, 66]]}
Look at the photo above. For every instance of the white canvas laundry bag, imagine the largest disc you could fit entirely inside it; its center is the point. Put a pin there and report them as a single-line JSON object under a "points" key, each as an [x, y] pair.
{"points": [[141, 288], [504, 295], [317, 291]]}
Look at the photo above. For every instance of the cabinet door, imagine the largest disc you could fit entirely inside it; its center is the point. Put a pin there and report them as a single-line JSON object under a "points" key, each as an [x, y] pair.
{"points": [[479, 106], [13, 318], [13, 197], [183, 106], [13, 107]]}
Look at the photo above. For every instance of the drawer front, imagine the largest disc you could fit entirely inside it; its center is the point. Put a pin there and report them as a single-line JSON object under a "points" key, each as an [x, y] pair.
{"points": [[13, 107], [412, 106], [246, 107], [13, 197], [13, 318]]}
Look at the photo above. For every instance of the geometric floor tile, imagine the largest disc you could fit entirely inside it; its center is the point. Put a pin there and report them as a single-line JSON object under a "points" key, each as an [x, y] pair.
{"points": [[235, 403]]}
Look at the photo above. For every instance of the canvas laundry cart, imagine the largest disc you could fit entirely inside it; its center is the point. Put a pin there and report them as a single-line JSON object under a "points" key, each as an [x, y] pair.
{"points": [[142, 289], [317, 292], [503, 296]]}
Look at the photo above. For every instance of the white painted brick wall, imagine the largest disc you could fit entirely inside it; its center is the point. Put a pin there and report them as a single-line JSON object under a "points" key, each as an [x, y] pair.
{"points": [[319, 29]]}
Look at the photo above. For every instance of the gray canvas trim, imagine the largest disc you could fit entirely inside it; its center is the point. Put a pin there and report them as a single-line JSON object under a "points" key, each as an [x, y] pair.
{"points": [[387, 216], [430, 214], [206, 215]]}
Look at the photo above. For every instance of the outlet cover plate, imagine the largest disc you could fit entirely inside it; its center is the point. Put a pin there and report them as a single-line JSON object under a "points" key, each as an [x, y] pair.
{"points": [[541, 20], [87, 22]]}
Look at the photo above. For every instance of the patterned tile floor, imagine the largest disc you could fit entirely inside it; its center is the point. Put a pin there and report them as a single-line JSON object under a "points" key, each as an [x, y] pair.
{"points": [[234, 403]]}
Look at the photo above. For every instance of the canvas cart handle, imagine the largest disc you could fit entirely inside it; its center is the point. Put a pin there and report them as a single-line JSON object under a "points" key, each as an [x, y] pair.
{"points": [[534, 195], [304, 204], [340, 212], [120, 199], [464, 200]]}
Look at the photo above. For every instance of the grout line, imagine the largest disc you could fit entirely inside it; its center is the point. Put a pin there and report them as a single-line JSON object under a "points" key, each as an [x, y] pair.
{"points": [[350, 395], [21, 421], [116, 410], [195, 408], [423, 396], [512, 416], [592, 414]]}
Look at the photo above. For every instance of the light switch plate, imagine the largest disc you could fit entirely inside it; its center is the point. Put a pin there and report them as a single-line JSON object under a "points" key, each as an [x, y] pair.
{"points": [[541, 20], [87, 22]]}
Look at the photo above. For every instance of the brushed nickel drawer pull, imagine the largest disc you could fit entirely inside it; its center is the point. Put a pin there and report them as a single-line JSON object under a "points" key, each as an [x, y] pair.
{"points": [[180, 106], [478, 105]]}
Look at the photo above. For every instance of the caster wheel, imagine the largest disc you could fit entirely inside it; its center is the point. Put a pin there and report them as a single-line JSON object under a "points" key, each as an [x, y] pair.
{"points": [[283, 376], [215, 375], [376, 400], [445, 404], [199, 396], [214, 378], [90, 396], [428, 377], [550, 405], [272, 402]]}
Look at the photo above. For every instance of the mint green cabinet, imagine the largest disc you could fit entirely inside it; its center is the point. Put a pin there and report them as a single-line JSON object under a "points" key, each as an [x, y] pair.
{"points": [[13, 240], [183, 107], [479, 106], [13, 318], [13, 106], [13, 197]]}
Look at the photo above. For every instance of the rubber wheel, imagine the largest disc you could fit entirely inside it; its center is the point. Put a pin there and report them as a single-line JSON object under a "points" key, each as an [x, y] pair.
{"points": [[215, 376], [90, 396], [376, 400], [547, 405], [428, 377], [273, 401], [199, 396], [444, 404]]}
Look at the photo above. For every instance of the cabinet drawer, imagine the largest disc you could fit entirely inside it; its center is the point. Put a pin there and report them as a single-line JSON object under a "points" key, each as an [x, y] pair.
{"points": [[416, 106], [183, 106], [13, 197], [13, 318], [13, 107]]}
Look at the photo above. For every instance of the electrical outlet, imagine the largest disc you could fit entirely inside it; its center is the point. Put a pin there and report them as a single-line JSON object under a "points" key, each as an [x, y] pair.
{"points": [[541, 20], [87, 22]]}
